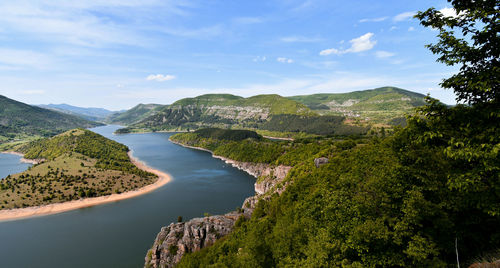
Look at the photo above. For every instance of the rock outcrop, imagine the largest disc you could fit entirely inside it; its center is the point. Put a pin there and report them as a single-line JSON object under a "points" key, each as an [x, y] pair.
{"points": [[320, 161], [177, 239], [268, 176]]}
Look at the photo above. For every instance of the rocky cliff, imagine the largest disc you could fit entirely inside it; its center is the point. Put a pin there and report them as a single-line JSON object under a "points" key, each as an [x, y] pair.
{"points": [[177, 239]]}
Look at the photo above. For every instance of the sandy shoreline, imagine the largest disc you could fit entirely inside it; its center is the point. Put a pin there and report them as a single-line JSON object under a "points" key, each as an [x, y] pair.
{"points": [[24, 160], [20, 213]]}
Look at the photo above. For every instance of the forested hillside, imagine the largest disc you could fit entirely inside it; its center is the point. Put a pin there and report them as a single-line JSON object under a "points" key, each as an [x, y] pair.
{"points": [[376, 203], [19, 121]]}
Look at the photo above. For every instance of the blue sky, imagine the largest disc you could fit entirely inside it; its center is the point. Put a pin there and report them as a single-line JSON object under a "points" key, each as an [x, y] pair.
{"points": [[118, 53]]}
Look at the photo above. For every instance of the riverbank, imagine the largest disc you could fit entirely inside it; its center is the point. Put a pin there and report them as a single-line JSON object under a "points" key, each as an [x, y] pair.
{"points": [[21, 213], [24, 160]]}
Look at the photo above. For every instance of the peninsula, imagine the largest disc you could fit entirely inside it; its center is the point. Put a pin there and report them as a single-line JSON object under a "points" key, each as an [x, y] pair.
{"points": [[76, 169]]}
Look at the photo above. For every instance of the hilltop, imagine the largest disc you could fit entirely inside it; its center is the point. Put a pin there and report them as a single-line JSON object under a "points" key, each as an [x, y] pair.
{"points": [[274, 115], [75, 164], [133, 115], [20, 121], [380, 105], [218, 110]]}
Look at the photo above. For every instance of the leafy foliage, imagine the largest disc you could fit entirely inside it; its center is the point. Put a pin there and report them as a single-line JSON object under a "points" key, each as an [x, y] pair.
{"points": [[226, 134], [372, 205], [476, 48]]}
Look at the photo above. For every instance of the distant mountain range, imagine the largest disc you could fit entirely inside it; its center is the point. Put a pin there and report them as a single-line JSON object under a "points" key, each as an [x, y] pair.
{"points": [[19, 120], [382, 105], [314, 114], [93, 114]]}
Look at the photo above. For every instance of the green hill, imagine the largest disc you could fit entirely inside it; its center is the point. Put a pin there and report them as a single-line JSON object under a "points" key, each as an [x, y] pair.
{"points": [[379, 105], [77, 163], [19, 121], [135, 114], [218, 110]]}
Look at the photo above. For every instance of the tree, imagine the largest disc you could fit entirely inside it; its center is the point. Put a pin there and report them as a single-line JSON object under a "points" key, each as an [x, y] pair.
{"points": [[469, 38]]}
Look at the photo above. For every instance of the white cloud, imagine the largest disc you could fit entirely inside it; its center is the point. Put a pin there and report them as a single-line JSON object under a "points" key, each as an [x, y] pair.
{"points": [[300, 39], [411, 29], [383, 54], [82, 22], [450, 12], [330, 51], [160, 77], [393, 28], [360, 44], [373, 20], [259, 58], [404, 16], [284, 60]]}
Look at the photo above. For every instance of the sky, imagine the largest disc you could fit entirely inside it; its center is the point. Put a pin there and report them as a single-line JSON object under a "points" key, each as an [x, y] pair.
{"points": [[115, 54]]}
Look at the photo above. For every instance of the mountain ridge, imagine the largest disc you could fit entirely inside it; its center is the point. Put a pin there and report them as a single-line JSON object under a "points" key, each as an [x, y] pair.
{"points": [[19, 120]]}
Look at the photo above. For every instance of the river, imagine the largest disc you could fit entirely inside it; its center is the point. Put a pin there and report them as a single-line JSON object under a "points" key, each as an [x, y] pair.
{"points": [[119, 234]]}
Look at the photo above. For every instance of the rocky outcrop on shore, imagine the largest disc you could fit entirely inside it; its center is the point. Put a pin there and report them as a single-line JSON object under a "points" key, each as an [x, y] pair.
{"points": [[268, 176], [177, 239]]}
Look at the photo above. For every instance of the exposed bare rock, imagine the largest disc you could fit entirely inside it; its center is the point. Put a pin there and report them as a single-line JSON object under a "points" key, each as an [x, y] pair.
{"points": [[320, 161], [268, 176], [494, 264], [177, 239]]}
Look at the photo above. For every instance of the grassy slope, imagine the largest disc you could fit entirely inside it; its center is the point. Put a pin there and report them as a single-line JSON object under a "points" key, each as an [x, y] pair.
{"points": [[199, 112], [379, 105], [275, 103], [79, 163], [135, 114], [20, 121]]}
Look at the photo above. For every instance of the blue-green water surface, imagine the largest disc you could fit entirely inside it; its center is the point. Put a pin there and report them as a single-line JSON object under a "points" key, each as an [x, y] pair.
{"points": [[119, 234], [11, 164]]}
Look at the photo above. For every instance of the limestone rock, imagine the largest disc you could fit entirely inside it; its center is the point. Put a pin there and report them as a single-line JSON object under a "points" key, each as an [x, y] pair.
{"points": [[320, 161]]}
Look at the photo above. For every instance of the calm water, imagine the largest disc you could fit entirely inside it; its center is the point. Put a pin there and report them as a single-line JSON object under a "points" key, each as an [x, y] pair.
{"points": [[10, 164], [119, 234]]}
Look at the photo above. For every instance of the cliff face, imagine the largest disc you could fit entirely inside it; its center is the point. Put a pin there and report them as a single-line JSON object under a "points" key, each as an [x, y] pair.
{"points": [[175, 240], [268, 176]]}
